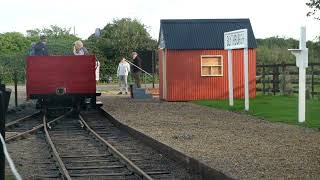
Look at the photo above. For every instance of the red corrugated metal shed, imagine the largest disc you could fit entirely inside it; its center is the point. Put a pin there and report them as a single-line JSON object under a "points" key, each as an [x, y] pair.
{"points": [[180, 69], [184, 81]]}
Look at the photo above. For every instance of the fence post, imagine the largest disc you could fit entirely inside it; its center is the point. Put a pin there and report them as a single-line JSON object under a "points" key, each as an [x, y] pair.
{"points": [[284, 83], [15, 88], [263, 80], [312, 81], [275, 79]]}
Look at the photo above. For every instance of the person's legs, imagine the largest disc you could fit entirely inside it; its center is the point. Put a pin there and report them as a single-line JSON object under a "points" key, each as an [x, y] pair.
{"points": [[126, 84], [134, 78], [120, 83], [137, 79]]}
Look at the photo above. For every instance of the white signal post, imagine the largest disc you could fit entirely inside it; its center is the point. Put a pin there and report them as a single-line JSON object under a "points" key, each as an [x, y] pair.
{"points": [[302, 63], [237, 40]]}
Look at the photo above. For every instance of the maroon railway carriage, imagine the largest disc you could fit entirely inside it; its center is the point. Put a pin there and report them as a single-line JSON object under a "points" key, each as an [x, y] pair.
{"points": [[61, 80]]}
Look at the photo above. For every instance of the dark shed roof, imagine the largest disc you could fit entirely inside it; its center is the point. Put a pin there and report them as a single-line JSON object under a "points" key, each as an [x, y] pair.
{"points": [[200, 33]]}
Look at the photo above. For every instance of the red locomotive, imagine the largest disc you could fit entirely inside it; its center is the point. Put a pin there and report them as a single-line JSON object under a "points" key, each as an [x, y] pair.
{"points": [[61, 80]]}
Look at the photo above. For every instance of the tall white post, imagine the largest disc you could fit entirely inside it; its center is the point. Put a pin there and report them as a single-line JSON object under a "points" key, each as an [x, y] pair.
{"points": [[302, 77], [246, 79], [302, 63], [230, 77], [302, 94]]}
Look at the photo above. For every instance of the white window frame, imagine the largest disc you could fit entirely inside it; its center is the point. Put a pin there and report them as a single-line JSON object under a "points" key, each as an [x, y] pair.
{"points": [[212, 56]]}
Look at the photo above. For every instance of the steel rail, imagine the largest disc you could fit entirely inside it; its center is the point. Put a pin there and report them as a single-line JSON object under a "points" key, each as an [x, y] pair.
{"points": [[33, 130], [12, 123], [113, 150], [62, 167]]}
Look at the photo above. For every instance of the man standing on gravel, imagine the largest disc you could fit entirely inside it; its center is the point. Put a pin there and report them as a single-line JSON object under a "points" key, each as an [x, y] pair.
{"points": [[137, 61], [122, 73]]}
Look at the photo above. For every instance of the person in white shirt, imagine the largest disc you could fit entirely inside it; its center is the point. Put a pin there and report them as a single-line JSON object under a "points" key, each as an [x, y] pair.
{"points": [[97, 70], [122, 73]]}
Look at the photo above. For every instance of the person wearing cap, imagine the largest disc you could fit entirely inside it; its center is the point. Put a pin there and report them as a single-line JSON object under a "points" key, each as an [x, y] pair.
{"points": [[136, 70], [40, 49]]}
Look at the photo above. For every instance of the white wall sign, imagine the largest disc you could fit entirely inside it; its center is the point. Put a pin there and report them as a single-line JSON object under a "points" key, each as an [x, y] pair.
{"points": [[302, 63], [237, 40]]}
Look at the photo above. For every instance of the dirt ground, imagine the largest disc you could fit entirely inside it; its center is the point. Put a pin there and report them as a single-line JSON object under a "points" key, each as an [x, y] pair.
{"points": [[238, 145]]}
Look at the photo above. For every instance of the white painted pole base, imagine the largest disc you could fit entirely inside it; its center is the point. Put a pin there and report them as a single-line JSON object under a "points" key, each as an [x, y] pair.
{"points": [[302, 94]]}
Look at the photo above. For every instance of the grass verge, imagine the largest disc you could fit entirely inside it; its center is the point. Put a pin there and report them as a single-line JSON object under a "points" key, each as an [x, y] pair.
{"points": [[273, 108]]}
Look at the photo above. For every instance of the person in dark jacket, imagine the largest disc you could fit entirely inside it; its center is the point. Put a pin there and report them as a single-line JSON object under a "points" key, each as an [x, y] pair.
{"points": [[137, 61], [40, 49]]}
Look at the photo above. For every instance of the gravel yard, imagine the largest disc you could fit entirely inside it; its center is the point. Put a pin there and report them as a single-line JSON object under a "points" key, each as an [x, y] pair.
{"points": [[238, 145]]}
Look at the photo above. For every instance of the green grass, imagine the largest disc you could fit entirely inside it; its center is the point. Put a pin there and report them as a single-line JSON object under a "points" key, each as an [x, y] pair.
{"points": [[273, 108]]}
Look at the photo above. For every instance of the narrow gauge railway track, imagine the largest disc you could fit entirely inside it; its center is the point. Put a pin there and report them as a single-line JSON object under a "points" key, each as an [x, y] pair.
{"points": [[90, 147], [34, 153], [23, 123], [34, 159], [25, 126], [83, 155], [148, 159], [13, 123]]}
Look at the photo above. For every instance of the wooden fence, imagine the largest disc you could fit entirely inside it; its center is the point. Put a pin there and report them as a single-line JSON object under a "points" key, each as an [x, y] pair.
{"points": [[284, 78]]}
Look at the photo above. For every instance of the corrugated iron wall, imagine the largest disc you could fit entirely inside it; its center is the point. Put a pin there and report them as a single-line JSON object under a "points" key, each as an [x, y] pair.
{"points": [[184, 80]]}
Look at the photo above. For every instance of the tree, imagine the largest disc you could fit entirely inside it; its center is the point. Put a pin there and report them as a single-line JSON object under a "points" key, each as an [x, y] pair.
{"points": [[314, 6], [118, 39], [60, 40], [14, 48], [274, 50], [127, 35], [13, 42]]}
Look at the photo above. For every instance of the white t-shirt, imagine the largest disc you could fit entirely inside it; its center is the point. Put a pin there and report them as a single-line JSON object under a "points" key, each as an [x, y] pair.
{"points": [[123, 69], [97, 70]]}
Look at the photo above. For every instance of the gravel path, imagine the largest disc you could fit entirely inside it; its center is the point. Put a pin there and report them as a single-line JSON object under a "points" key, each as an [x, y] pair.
{"points": [[238, 145]]}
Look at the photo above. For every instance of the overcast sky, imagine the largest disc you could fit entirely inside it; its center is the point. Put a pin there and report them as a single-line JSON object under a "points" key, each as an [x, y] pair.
{"points": [[268, 17]]}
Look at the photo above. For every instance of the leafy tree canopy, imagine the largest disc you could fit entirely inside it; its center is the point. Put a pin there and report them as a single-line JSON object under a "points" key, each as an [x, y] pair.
{"points": [[13, 42], [119, 39], [275, 50], [60, 40], [314, 6]]}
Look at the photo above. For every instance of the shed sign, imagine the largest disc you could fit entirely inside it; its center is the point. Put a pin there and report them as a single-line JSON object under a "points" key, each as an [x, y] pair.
{"points": [[236, 39]]}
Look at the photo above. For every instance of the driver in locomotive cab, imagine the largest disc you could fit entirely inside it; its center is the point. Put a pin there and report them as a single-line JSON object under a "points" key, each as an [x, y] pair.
{"points": [[40, 49]]}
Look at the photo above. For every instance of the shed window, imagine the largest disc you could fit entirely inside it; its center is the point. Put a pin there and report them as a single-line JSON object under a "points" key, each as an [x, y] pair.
{"points": [[211, 65]]}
